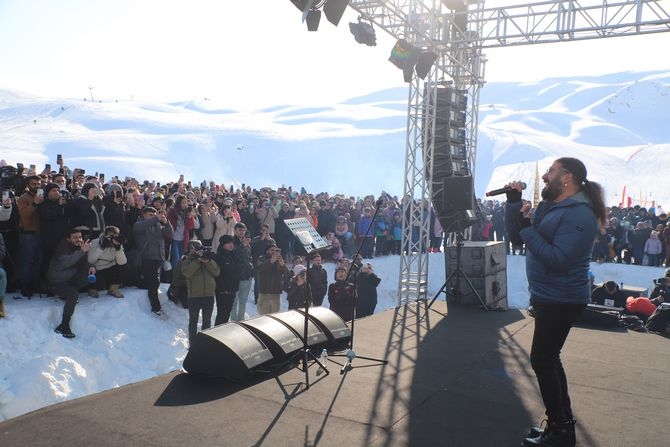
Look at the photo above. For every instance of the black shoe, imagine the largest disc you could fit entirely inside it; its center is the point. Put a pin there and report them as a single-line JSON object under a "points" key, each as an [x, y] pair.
{"points": [[559, 434], [64, 330], [534, 432]]}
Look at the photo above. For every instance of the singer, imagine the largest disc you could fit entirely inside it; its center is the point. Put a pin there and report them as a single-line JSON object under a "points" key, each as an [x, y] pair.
{"points": [[559, 240]]}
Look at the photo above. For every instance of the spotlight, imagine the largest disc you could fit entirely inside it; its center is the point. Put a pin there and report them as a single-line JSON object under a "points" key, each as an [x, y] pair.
{"points": [[426, 61], [363, 32], [334, 10], [313, 18]]}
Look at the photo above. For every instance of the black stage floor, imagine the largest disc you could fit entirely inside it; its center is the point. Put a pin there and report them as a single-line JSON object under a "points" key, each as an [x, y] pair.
{"points": [[456, 376]]}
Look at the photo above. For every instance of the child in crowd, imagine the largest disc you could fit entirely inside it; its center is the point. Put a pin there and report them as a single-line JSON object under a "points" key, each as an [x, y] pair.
{"points": [[341, 295]]}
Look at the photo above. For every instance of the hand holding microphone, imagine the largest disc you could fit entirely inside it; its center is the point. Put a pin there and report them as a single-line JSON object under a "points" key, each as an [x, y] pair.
{"points": [[512, 190]]}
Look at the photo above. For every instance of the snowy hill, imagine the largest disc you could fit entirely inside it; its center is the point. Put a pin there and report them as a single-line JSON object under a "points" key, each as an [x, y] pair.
{"points": [[614, 123]]}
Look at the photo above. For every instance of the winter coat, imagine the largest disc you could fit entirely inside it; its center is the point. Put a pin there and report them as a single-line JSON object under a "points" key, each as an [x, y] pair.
{"points": [[318, 280], [243, 261], [28, 218], [270, 276], [341, 299], [188, 225], [88, 214], [363, 226], [558, 248], [54, 221], [67, 264], [228, 280], [150, 237], [104, 258], [200, 277], [267, 216], [653, 246], [367, 293], [224, 225], [296, 294]]}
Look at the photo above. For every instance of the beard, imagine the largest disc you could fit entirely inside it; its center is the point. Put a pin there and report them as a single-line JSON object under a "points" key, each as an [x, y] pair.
{"points": [[552, 190]]}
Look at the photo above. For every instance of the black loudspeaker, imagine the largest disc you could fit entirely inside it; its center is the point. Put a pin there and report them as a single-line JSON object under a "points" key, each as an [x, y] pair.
{"points": [[330, 323], [280, 338], [600, 316], [229, 350], [457, 193], [296, 321]]}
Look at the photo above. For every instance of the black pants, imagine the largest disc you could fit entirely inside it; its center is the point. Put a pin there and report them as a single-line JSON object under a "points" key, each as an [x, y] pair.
{"points": [[224, 304], [195, 305], [69, 291], [151, 278], [109, 276], [552, 325]]}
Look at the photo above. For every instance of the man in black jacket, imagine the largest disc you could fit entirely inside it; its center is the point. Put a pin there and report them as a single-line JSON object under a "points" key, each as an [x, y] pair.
{"points": [[228, 281], [317, 277]]}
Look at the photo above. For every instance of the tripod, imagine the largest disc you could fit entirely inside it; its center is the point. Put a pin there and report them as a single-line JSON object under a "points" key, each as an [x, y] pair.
{"points": [[350, 354], [457, 274], [311, 242]]}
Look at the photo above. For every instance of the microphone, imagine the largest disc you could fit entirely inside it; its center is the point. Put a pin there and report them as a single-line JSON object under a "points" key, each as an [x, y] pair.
{"points": [[506, 189]]}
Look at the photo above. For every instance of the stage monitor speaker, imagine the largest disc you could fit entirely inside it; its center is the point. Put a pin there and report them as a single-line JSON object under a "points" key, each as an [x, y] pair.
{"points": [[229, 350], [330, 323], [280, 338], [296, 321]]}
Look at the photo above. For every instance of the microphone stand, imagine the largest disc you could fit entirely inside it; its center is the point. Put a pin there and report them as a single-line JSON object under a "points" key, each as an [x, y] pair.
{"points": [[350, 354]]}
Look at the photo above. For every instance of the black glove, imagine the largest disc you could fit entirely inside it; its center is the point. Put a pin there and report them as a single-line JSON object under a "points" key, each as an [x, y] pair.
{"points": [[513, 196]]}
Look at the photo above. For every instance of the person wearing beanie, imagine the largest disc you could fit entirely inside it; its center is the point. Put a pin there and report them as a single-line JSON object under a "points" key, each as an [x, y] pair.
{"points": [[341, 295], [318, 280], [200, 271], [297, 290], [54, 218], [228, 281]]}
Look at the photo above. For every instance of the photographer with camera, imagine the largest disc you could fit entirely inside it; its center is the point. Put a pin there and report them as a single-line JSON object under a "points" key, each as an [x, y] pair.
{"points": [[608, 294], [107, 255], [271, 270], [200, 270]]}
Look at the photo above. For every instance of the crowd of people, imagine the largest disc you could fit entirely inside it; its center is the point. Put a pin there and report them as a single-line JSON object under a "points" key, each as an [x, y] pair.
{"points": [[64, 231]]}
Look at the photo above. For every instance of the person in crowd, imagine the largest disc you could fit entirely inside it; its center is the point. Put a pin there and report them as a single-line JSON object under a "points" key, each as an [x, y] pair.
{"points": [[341, 295], [326, 218], [366, 233], [228, 281], [115, 209], [344, 236], [558, 242], [54, 218], [247, 217], [297, 290], [68, 273], [609, 294], [177, 292], [3, 276], [637, 238], [283, 236], [208, 213], [259, 246], [182, 220], [150, 233], [318, 280], [200, 270], [225, 224], [601, 246], [266, 215], [334, 253], [108, 257], [396, 229], [366, 287], [88, 211], [245, 271], [30, 242], [653, 248], [271, 270]]}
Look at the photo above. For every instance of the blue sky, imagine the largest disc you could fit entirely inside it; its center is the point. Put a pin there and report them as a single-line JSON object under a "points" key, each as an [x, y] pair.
{"points": [[247, 54]]}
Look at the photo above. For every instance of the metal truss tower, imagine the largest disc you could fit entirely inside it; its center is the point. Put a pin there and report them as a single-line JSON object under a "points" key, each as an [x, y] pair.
{"points": [[457, 31]]}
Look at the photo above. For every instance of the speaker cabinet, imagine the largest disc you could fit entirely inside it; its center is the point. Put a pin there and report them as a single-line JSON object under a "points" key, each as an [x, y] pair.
{"points": [[280, 338], [330, 323], [229, 350], [296, 321]]}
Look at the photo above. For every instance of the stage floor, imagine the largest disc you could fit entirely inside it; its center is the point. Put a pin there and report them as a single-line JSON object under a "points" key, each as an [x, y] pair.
{"points": [[456, 376]]}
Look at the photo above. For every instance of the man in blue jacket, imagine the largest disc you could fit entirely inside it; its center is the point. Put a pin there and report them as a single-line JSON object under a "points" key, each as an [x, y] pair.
{"points": [[559, 239]]}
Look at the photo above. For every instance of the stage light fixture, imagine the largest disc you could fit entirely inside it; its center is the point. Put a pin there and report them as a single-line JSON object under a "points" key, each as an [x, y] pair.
{"points": [[424, 64], [313, 18], [334, 10], [363, 32]]}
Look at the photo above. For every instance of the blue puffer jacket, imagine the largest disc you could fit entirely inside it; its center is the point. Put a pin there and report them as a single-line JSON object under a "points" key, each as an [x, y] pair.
{"points": [[558, 248]]}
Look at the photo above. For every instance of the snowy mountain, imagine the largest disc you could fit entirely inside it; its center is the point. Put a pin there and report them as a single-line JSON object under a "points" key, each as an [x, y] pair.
{"points": [[614, 123]]}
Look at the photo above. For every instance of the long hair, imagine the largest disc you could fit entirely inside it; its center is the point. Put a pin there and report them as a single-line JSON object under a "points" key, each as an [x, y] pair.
{"points": [[594, 192]]}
